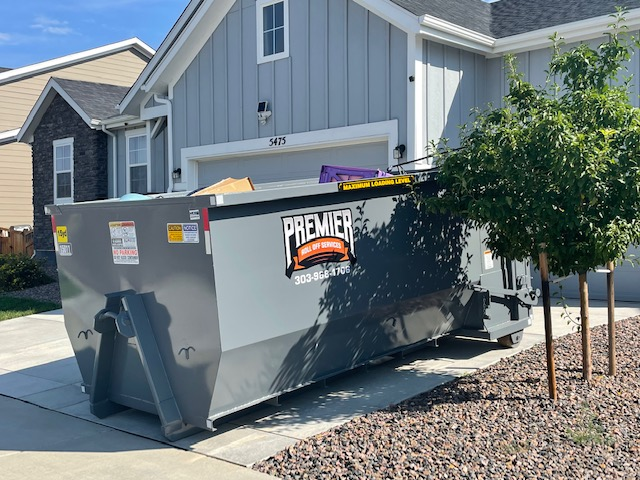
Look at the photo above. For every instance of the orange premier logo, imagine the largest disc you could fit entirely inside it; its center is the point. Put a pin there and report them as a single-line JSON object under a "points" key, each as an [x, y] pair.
{"points": [[318, 238]]}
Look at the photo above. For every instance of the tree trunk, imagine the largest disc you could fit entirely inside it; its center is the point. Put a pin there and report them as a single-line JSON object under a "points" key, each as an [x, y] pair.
{"points": [[612, 319], [548, 334], [585, 328]]}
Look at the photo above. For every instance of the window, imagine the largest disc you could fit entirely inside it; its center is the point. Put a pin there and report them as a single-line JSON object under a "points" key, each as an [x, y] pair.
{"points": [[137, 162], [63, 171], [273, 29]]}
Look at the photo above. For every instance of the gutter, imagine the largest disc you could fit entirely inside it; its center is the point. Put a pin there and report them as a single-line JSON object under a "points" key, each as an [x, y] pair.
{"points": [[114, 155], [167, 102]]}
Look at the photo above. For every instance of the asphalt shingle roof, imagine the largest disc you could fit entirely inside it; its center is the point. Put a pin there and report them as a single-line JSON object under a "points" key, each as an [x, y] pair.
{"points": [[97, 100], [511, 17]]}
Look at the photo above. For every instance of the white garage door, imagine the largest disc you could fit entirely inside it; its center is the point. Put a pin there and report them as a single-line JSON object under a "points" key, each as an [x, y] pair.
{"points": [[288, 166]]}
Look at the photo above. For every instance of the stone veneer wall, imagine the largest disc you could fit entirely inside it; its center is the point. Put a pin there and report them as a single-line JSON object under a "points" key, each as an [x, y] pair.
{"points": [[90, 157]]}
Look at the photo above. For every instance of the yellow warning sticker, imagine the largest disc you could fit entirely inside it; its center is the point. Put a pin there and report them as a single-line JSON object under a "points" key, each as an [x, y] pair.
{"points": [[61, 233], [174, 232], [376, 182], [183, 233]]}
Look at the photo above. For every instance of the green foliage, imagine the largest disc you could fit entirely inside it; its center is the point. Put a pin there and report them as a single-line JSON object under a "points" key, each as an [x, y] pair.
{"points": [[589, 429], [19, 307], [558, 168], [18, 272]]}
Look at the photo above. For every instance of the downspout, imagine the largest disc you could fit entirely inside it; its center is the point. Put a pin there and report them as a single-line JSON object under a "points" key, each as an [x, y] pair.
{"points": [[166, 101], [114, 154]]}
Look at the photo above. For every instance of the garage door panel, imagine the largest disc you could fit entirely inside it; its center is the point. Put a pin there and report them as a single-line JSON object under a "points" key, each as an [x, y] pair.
{"points": [[286, 166]]}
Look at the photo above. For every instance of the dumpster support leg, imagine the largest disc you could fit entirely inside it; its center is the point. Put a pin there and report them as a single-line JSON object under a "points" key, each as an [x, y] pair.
{"points": [[125, 315], [104, 324], [173, 426]]}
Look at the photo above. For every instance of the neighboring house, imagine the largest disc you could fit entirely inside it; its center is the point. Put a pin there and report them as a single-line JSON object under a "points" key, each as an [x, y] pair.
{"points": [[69, 143], [274, 89], [118, 64]]}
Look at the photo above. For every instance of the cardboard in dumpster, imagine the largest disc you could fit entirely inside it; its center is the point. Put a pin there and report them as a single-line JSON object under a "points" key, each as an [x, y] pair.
{"points": [[228, 185]]}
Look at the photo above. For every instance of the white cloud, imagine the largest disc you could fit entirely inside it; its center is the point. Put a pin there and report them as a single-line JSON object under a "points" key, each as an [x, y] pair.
{"points": [[52, 26], [5, 38]]}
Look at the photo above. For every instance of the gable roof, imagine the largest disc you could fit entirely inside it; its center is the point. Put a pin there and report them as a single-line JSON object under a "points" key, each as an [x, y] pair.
{"points": [[13, 75], [94, 102]]}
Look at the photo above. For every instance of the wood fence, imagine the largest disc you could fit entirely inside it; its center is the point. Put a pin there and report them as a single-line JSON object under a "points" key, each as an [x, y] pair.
{"points": [[18, 241]]}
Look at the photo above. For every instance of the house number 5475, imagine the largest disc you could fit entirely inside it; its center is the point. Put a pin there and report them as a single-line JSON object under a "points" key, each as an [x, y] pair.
{"points": [[277, 141]]}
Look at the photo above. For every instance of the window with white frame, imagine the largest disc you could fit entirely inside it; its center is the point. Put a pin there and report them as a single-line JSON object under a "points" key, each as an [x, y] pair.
{"points": [[63, 171], [273, 29], [137, 162]]}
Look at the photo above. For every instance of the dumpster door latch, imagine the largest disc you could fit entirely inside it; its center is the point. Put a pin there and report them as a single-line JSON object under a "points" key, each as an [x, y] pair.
{"points": [[525, 295]]}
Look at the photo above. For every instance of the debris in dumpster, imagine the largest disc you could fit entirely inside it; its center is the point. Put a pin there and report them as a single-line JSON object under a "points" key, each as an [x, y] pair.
{"points": [[228, 185], [336, 173]]}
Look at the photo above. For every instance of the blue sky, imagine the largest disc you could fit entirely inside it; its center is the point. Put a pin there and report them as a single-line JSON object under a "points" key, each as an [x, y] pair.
{"points": [[33, 31]]}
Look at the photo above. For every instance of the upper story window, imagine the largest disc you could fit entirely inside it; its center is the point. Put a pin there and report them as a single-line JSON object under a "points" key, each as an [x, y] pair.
{"points": [[137, 162], [273, 29], [63, 171]]}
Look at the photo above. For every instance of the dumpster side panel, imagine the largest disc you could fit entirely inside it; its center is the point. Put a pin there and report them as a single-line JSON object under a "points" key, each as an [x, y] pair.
{"points": [[402, 282]]}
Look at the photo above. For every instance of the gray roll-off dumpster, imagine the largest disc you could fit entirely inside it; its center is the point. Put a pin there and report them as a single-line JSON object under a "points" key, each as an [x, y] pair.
{"points": [[196, 307]]}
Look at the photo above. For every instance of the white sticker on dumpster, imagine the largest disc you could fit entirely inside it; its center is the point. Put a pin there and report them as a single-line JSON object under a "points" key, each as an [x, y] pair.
{"points": [[183, 233], [124, 244]]}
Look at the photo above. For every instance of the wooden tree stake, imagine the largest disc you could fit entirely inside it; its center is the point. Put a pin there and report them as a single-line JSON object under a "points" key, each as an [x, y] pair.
{"points": [[548, 334], [612, 319], [584, 326]]}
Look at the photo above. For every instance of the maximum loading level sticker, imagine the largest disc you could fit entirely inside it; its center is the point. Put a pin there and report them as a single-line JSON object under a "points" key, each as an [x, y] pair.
{"points": [[183, 233], [376, 182], [124, 243]]}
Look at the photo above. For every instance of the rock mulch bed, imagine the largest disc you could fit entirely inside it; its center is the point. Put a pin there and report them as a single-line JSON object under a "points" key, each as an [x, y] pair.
{"points": [[496, 424]]}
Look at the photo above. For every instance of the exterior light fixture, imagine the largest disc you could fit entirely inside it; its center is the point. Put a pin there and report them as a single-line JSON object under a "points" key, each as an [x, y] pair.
{"points": [[263, 112], [398, 152], [177, 173]]}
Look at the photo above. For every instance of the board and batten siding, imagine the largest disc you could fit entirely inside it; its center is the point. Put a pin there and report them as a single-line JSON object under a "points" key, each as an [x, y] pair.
{"points": [[346, 66], [455, 85], [535, 63]]}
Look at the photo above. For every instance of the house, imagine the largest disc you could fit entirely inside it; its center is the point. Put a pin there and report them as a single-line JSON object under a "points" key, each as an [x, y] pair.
{"points": [[119, 63], [274, 89], [68, 142]]}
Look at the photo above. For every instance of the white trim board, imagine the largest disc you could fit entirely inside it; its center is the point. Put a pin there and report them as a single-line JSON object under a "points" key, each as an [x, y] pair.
{"points": [[62, 62], [295, 142]]}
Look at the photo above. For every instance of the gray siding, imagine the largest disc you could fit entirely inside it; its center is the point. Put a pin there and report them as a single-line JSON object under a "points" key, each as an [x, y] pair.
{"points": [[345, 67], [534, 65], [456, 81]]}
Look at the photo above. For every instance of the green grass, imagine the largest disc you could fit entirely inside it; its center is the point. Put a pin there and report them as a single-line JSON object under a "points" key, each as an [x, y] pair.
{"points": [[11, 307]]}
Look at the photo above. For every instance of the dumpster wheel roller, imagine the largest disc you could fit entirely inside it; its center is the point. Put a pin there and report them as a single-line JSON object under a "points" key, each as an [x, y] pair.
{"points": [[512, 340]]}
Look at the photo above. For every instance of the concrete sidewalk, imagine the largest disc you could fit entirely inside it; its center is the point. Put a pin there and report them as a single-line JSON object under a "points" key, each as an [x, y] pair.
{"points": [[48, 430]]}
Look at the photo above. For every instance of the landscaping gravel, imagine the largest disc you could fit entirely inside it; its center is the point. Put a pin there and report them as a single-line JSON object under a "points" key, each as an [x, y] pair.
{"points": [[496, 424]]}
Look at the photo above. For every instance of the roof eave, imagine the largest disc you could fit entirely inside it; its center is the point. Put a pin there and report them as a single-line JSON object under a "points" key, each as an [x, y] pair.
{"points": [[570, 32], [434, 28], [62, 62], [452, 34], [9, 136]]}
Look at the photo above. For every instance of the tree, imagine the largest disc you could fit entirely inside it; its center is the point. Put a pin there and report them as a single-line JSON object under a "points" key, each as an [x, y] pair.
{"points": [[556, 170]]}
